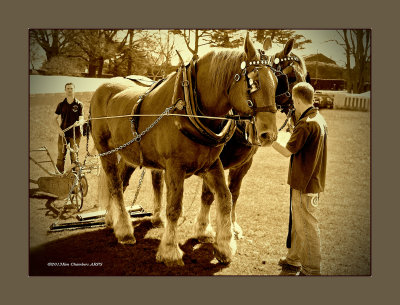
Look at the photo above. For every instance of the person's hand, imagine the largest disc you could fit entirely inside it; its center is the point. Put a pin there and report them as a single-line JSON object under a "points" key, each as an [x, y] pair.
{"points": [[283, 137], [60, 132], [80, 122]]}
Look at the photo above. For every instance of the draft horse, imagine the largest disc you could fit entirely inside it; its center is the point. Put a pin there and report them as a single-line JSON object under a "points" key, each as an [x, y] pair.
{"points": [[175, 144], [237, 154]]}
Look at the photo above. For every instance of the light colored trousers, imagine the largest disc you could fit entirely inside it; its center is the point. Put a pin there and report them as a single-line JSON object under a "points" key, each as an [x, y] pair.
{"points": [[305, 249]]}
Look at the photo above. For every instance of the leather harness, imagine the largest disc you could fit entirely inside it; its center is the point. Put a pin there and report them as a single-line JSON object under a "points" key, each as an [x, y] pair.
{"points": [[200, 133], [186, 101]]}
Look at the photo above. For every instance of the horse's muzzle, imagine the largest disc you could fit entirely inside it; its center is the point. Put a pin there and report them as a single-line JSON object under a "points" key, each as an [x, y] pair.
{"points": [[267, 138]]}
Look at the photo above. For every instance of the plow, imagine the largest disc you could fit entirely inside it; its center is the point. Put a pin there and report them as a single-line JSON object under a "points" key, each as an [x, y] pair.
{"points": [[72, 186]]}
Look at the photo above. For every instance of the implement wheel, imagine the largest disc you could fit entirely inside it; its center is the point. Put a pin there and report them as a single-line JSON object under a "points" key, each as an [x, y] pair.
{"points": [[79, 192]]}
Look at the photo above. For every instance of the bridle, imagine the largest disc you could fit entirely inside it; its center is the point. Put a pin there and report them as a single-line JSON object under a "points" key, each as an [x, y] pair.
{"points": [[286, 81], [283, 97], [277, 65], [250, 71], [253, 84], [282, 64]]}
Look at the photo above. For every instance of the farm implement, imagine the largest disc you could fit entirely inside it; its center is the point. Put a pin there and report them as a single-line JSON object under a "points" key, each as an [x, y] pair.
{"points": [[72, 186]]}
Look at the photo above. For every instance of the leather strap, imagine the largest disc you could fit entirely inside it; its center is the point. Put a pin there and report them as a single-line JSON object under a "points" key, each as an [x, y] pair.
{"points": [[202, 133]]}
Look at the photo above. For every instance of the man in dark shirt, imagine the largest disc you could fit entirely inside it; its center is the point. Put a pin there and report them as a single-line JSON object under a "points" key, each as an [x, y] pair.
{"points": [[307, 149], [70, 111]]}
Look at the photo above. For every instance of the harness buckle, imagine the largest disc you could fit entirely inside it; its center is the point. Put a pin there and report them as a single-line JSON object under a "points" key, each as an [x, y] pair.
{"points": [[185, 83]]}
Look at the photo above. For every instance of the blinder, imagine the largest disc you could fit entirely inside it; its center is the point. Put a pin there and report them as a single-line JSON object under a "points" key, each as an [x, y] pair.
{"points": [[282, 93], [287, 76], [253, 85], [278, 66]]}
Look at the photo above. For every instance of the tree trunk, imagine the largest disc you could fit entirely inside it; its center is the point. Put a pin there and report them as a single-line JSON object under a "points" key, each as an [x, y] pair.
{"points": [[100, 67], [130, 59], [92, 69]]}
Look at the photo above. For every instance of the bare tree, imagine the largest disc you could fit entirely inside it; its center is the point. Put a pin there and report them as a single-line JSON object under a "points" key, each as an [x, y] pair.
{"points": [[53, 42], [224, 38], [33, 53], [160, 51], [194, 39], [191, 38], [131, 33], [96, 46], [356, 44], [281, 37]]}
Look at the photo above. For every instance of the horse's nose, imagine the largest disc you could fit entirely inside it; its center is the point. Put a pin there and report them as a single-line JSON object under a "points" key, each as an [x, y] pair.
{"points": [[266, 138]]}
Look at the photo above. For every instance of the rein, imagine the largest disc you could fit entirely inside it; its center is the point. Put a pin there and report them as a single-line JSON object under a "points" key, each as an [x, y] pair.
{"points": [[253, 85], [282, 95], [227, 117], [189, 102]]}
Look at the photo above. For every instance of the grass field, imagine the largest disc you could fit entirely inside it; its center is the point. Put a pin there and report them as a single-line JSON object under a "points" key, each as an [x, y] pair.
{"points": [[263, 206]]}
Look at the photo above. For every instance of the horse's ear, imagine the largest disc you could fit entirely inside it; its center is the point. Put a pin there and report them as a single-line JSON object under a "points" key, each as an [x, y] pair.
{"points": [[288, 47], [267, 44], [249, 47]]}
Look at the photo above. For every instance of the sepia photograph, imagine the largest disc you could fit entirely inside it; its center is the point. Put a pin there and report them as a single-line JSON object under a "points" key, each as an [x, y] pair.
{"points": [[200, 152]]}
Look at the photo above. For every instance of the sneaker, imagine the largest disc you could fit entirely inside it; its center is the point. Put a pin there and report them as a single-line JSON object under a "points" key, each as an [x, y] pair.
{"points": [[288, 272], [301, 273], [285, 265]]}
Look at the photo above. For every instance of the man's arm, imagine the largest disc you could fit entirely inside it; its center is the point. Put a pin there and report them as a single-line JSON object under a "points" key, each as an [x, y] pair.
{"points": [[281, 149]]}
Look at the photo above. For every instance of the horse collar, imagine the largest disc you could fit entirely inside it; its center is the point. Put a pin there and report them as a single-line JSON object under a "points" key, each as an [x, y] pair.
{"points": [[198, 131]]}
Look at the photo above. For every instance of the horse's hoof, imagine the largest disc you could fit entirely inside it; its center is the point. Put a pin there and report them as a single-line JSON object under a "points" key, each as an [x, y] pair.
{"points": [[170, 263], [157, 222], [204, 234], [178, 263], [127, 240], [222, 258], [225, 254]]}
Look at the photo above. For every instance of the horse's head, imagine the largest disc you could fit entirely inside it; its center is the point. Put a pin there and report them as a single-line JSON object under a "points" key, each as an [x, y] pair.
{"points": [[294, 68], [252, 93]]}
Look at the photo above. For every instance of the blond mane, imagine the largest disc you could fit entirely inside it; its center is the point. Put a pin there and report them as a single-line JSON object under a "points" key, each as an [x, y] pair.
{"points": [[224, 64]]}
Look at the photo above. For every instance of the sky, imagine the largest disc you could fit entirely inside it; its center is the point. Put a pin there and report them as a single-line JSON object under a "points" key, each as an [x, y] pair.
{"points": [[321, 43]]}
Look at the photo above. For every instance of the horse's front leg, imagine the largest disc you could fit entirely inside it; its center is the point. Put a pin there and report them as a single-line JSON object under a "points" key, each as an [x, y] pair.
{"points": [[225, 244], [203, 229], [169, 251], [235, 182]]}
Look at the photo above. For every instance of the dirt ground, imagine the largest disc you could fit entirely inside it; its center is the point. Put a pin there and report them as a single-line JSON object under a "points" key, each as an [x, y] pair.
{"points": [[263, 206]]}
